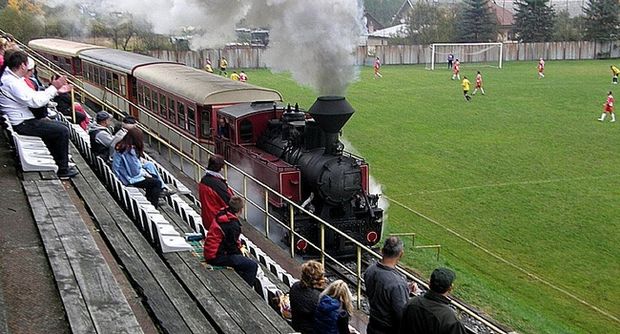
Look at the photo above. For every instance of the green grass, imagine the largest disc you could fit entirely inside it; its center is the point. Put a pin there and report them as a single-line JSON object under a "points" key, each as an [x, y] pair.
{"points": [[525, 172]]}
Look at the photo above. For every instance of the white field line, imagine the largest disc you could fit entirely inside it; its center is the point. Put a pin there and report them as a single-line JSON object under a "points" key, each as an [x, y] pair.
{"points": [[506, 184], [498, 257]]}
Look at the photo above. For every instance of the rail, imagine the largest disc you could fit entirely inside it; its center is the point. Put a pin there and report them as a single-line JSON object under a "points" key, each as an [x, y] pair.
{"points": [[263, 207]]}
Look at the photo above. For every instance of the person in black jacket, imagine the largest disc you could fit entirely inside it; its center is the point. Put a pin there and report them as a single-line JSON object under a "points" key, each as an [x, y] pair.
{"points": [[222, 246], [431, 313], [304, 296]]}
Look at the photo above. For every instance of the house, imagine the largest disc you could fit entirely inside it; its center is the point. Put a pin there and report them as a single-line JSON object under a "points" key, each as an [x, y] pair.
{"points": [[371, 23]]}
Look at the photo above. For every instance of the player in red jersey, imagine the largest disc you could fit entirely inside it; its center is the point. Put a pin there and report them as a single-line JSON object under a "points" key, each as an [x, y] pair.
{"points": [[456, 69], [541, 68], [377, 67], [608, 108], [478, 84]]}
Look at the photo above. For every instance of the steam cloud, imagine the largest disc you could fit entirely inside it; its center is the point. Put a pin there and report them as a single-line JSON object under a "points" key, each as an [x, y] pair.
{"points": [[314, 40]]}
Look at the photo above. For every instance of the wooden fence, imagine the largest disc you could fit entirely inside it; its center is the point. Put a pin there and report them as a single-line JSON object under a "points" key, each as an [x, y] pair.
{"points": [[253, 57]]}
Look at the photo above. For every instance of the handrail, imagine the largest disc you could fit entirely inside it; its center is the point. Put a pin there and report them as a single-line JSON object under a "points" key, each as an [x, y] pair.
{"points": [[322, 224]]}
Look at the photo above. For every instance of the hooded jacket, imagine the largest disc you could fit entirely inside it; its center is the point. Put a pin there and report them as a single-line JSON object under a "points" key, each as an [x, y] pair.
{"points": [[330, 318], [223, 236]]}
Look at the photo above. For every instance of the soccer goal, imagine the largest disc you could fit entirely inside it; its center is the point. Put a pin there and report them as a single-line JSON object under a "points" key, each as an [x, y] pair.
{"points": [[478, 54]]}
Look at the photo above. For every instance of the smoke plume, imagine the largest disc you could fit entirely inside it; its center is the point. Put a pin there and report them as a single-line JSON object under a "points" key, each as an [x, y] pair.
{"points": [[313, 40]]}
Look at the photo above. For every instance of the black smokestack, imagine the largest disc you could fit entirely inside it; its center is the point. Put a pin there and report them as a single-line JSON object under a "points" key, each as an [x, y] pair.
{"points": [[331, 113]]}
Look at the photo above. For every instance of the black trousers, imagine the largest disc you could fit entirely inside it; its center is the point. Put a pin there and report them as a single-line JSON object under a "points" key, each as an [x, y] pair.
{"points": [[152, 187], [54, 134]]}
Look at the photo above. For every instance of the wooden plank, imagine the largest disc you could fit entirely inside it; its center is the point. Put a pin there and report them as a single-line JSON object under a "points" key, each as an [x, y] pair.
{"points": [[166, 315], [73, 301], [105, 301], [121, 232], [31, 176], [244, 305], [4, 329]]}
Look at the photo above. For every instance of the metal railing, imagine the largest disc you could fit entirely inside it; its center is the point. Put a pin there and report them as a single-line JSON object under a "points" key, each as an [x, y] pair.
{"points": [[264, 207]]}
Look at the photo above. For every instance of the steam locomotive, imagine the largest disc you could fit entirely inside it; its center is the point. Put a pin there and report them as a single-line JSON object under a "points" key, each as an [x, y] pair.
{"points": [[296, 153]]}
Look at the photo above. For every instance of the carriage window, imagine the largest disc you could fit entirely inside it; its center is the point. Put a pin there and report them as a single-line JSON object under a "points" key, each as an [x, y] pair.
{"points": [[155, 101], [191, 120], [171, 105], [108, 80], [96, 75], [123, 85], [147, 98], [86, 72], [55, 58], [102, 77], [181, 116], [162, 105], [140, 96], [67, 61], [205, 124], [115, 83], [245, 131]]}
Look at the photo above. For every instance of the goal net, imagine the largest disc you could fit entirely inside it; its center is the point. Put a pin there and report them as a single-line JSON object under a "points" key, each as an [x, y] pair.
{"points": [[478, 54]]}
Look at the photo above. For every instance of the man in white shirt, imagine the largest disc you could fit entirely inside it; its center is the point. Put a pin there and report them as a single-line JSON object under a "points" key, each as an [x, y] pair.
{"points": [[16, 98]]}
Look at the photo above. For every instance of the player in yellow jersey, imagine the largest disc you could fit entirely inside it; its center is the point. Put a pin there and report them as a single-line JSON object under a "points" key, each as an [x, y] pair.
{"points": [[615, 72], [465, 83]]}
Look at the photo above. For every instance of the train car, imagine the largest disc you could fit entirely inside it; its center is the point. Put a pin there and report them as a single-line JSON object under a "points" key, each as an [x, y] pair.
{"points": [[108, 75], [65, 54], [187, 99]]}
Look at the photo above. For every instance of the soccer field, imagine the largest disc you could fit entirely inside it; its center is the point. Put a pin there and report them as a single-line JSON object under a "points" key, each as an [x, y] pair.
{"points": [[520, 187]]}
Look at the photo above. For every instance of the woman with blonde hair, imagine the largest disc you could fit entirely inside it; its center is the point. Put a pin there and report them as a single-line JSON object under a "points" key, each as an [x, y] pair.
{"points": [[334, 309], [304, 296]]}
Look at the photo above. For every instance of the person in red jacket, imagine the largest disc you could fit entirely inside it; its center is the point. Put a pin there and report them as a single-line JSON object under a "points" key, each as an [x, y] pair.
{"points": [[222, 246], [213, 191]]}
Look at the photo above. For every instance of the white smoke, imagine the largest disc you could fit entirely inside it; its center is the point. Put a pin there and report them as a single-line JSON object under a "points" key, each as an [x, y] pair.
{"points": [[313, 40]]}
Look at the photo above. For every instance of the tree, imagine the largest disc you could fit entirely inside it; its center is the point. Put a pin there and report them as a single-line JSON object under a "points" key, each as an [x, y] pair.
{"points": [[476, 22], [428, 24], [566, 28], [23, 19], [534, 20], [602, 20], [383, 10]]}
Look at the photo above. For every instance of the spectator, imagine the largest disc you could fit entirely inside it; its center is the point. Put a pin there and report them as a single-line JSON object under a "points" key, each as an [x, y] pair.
{"points": [[3, 45], [304, 296], [243, 77], [222, 246], [101, 135], [234, 76], [213, 191], [129, 122], [128, 165], [386, 289], [334, 309], [16, 98], [85, 119], [64, 107], [431, 313], [223, 66]]}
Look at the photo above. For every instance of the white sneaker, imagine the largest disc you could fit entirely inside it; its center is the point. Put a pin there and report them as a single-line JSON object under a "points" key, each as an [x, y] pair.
{"points": [[612, 121], [600, 119]]}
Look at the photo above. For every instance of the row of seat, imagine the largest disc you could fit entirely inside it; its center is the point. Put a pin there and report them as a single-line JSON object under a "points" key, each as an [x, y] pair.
{"points": [[160, 232], [32, 152]]}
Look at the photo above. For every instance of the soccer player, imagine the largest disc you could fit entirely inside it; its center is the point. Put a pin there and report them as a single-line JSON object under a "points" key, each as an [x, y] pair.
{"points": [[608, 108], [478, 84], [541, 68], [466, 85], [615, 71], [456, 69], [377, 67]]}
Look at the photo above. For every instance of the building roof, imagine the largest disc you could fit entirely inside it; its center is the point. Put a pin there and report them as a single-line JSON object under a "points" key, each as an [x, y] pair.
{"points": [[399, 30]]}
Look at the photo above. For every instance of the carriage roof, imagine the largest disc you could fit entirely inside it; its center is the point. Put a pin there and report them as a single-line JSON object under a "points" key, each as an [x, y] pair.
{"points": [[245, 109], [202, 87], [61, 47], [119, 60]]}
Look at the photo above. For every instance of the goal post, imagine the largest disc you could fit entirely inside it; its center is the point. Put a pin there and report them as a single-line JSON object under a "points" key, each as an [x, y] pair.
{"points": [[480, 54]]}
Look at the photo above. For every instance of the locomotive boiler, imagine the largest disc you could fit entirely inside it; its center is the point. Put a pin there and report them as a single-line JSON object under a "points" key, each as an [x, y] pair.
{"points": [[334, 183]]}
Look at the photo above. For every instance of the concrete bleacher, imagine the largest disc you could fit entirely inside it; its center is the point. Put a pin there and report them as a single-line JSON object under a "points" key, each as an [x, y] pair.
{"points": [[220, 296]]}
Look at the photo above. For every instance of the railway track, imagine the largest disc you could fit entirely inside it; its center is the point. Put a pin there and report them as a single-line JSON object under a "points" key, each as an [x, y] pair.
{"points": [[475, 321]]}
